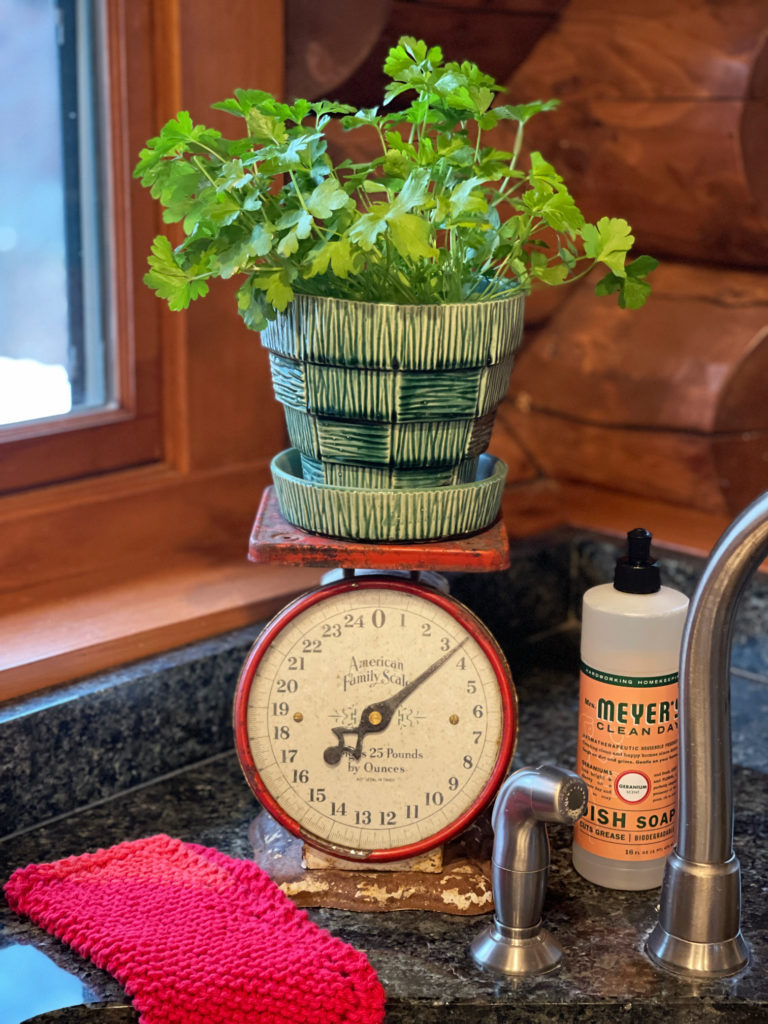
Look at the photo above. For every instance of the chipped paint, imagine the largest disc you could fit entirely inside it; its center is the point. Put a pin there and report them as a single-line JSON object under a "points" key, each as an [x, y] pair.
{"points": [[463, 899], [383, 894], [305, 885]]}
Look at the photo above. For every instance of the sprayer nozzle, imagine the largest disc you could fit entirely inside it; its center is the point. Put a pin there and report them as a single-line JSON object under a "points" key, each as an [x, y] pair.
{"points": [[515, 942], [639, 545]]}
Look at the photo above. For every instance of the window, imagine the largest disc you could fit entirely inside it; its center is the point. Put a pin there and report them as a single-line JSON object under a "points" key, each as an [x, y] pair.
{"points": [[83, 142], [54, 349], [166, 474], [70, 345]]}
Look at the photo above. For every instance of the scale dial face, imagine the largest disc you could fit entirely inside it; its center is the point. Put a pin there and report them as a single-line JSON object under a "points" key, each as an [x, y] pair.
{"points": [[375, 718]]}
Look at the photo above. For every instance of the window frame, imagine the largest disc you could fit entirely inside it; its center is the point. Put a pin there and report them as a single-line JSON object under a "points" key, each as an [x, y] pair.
{"points": [[200, 401], [129, 430]]}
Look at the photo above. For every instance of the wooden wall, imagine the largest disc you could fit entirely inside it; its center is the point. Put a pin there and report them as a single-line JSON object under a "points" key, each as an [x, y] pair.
{"points": [[664, 121]]}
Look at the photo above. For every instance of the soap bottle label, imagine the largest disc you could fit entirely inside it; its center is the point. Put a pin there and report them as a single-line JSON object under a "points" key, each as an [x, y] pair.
{"points": [[627, 755]]}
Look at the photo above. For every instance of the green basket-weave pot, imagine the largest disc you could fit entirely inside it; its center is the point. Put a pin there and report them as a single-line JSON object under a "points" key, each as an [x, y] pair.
{"points": [[377, 394], [382, 398]]}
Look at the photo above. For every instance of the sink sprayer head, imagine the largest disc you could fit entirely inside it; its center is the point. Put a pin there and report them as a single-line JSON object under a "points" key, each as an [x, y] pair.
{"points": [[515, 942]]}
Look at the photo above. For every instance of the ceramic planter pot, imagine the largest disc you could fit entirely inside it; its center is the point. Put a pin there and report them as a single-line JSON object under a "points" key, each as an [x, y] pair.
{"points": [[390, 397]]}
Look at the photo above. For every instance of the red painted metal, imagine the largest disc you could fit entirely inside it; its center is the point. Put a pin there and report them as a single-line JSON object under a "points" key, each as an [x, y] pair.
{"points": [[275, 540], [474, 627]]}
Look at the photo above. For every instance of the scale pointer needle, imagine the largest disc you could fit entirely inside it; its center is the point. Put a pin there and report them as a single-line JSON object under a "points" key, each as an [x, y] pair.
{"points": [[376, 717]]}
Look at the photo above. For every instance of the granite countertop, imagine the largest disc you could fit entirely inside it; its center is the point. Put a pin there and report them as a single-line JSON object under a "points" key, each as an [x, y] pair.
{"points": [[422, 958]]}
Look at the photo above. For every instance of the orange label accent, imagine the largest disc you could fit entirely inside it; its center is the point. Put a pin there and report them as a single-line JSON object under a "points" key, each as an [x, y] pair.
{"points": [[627, 755]]}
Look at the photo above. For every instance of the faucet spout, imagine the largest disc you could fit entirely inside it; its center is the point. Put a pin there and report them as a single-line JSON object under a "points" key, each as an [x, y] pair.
{"points": [[699, 926]]}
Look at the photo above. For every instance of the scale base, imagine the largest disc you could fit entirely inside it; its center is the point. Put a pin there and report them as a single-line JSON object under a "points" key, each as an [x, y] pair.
{"points": [[431, 862], [462, 886]]}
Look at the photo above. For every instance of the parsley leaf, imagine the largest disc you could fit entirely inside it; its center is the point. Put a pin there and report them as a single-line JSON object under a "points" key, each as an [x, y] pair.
{"points": [[633, 288], [327, 197], [169, 280], [608, 242], [410, 236]]}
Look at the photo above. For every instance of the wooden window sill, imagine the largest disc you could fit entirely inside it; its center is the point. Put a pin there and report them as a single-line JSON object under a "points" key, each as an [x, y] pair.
{"points": [[68, 635]]}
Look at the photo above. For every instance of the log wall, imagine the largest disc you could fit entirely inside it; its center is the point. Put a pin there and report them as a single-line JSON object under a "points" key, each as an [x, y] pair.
{"points": [[663, 120], [668, 401], [664, 108]]}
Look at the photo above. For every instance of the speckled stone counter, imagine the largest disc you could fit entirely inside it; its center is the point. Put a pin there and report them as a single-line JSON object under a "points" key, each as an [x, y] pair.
{"points": [[422, 959]]}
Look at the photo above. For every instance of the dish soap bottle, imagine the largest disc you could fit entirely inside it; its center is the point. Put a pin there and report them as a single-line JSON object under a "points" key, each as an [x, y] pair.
{"points": [[628, 723]]}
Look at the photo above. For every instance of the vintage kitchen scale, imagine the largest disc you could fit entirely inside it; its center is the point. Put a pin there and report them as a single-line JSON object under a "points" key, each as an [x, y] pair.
{"points": [[375, 718]]}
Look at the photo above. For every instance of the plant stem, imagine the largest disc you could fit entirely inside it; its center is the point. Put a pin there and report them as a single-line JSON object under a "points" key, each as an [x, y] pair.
{"points": [[517, 145]]}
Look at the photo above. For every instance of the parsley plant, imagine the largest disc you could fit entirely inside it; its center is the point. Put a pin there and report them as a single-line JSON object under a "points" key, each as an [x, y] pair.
{"points": [[438, 215]]}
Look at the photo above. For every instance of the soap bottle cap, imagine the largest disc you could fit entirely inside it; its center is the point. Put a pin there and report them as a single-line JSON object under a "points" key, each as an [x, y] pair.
{"points": [[636, 572]]}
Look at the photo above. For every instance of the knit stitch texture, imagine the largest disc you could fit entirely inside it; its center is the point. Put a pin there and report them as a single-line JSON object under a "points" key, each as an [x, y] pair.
{"points": [[195, 936]]}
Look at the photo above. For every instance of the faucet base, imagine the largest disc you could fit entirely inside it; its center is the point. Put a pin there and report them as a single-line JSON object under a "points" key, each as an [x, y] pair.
{"points": [[705, 959], [698, 930], [516, 951]]}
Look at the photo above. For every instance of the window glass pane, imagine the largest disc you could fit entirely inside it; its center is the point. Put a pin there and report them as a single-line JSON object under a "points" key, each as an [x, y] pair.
{"points": [[53, 342]]}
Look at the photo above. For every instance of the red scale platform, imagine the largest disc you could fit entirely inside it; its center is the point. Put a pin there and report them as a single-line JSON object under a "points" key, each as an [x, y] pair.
{"points": [[275, 540]]}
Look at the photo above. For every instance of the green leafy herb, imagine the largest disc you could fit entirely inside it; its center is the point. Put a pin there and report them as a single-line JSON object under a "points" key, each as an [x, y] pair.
{"points": [[438, 214], [632, 285]]}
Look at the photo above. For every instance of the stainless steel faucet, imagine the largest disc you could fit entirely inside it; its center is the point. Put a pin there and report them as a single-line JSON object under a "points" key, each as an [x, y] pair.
{"points": [[699, 926]]}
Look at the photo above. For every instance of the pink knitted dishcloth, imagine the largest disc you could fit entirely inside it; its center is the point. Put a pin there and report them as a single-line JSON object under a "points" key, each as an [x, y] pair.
{"points": [[195, 936]]}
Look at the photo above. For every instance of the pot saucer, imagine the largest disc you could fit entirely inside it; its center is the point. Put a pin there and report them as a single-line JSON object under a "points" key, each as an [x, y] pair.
{"points": [[379, 514]]}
